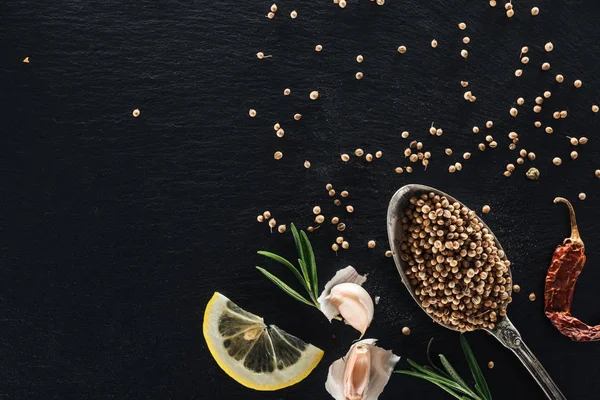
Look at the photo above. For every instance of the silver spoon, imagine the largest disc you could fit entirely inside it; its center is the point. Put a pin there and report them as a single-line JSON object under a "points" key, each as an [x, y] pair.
{"points": [[504, 330]]}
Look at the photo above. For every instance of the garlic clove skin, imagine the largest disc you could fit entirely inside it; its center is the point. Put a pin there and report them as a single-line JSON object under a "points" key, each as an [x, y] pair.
{"points": [[345, 275], [353, 366], [354, 304]]}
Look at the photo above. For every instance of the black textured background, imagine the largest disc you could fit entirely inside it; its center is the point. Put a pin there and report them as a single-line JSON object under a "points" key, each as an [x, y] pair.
{"points": [[115, 231]]}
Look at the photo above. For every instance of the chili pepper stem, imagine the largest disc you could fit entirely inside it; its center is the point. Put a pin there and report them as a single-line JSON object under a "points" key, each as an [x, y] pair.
{"points": [[575, 237]]}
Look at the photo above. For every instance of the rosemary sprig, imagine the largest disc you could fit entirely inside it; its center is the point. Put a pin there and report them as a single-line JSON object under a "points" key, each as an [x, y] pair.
{"points": [[448, 379], [306, 274]]}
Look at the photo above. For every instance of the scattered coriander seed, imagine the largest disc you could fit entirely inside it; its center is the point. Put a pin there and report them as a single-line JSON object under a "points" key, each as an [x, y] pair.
{"points": [[434, 43], [407, 152], [319, 219], [432, 130], [510, 13], [549, 47], [512, 146], [335, 220], [537, 109], [466, 40], [518, 72], [287, 92], [359, 75], [281, 228], [337, 202], [414, 158], [539, 100], [577, 83], [563, 114], [507, 173], [272, 223], [489, 138], [369, 157], [278, 155], [481, 146], [537, 124], [466, 155], [358, 152], [452, 169], [467, 95], [316, 210], [458, 166], [583, 140], [307, 164], [556, 115], [439, 132], [533, 174], [574, 155], [523, 153], [549, 130], [280, 132], [535, 11], [318, 47], [371, 244], [448, 151], [339, 239], [475, 129], [547, 94], [524, 50], [520, 101], [345, 157], [492, 3], [341, 227], [595, 108], [508, 6], [329, 186], [464, 83], [350, 209], [342, 3], [314, 95], [260, 55], [267, 214], [276, 127], [486, 209], [380, 2], [513, 135], [405, 135], [545, 66], [293, 14], [345, 245], [582, 196], [524, 60], [531, 156], [331, 193], [409, 169], [532, 296], [560, 78], [406, 331], [388, 253], [359, 58], [136, 113], [516, 288], [556, 161], [252, 113], [491, 365], [462, 26], [274, 8], [493, 144], [510, 167], [402, 49], [489, 124], [399, 170], [514, 112], [378, 154], [297, 117], [520, 160], [344, 193], [573, 141], [464, 53], [597, 173], [260, 218], [271, 15], [334, 246]]}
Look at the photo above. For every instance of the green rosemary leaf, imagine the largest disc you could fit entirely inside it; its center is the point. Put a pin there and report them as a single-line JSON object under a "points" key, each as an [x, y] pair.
{"points": [[311, 263], [456, 386], [300, 250], [305, 272], [480, 383], [285, 262], [455, 376], [288, 290], [436, 382]]}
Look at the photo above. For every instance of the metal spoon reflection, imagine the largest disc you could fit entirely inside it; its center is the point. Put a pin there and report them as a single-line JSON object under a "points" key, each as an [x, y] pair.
{"points": [[504, 330]]}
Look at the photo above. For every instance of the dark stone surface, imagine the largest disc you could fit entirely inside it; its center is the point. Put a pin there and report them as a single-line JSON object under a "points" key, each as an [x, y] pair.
{"points": [[116, 231]]}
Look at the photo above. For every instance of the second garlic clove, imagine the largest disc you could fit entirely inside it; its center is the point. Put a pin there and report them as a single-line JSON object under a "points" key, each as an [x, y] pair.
{"points": [[354, 304]]}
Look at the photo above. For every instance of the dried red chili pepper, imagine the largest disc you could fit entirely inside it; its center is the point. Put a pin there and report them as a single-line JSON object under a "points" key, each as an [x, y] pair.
{"points": [[567, 262]]}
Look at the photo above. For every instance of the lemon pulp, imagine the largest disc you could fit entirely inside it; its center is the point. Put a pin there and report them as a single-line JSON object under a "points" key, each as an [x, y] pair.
{"points": [[258, 356]]}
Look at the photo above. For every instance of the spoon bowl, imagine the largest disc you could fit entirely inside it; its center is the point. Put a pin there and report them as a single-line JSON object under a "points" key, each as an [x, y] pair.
{"points": [[504, 330]]}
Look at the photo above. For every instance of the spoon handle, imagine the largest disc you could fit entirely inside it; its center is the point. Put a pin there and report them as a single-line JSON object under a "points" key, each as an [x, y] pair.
{"points": [[507, 334]]}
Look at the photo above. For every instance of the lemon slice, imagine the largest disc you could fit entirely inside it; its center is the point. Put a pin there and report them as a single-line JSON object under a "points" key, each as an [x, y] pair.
{"points": [[257, 356]]}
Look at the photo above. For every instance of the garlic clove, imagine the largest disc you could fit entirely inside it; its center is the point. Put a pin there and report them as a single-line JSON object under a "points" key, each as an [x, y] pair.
{"points": [[354, 376], [354, 304], [344, 275]]}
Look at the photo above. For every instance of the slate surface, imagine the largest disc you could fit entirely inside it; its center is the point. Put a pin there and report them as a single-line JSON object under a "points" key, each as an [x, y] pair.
{"points": [[116, 231]]}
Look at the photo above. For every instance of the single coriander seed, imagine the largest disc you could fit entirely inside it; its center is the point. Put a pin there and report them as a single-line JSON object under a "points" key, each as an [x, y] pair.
{"points": [[597, 173], [294, 14], [475, 129], [359, 152], [545, 66], [267, 214], [280, 133], [549, 47], [404, 135], [345, 245], [271, 15], [278, 155], [316, 210], [335, 220], [520, 101], [307, 164], [359, 75], [510, 13], [272, 224], [464, 53], [402, 49], [466, 40], [406, 331], [514, 112], [549, 130], [466, 155], [378, 154], [274, 8], [318, 47], [574, 155], [287, 92], [434, 43], [319, 219], [583, 140], [516, 288], [537, 124], [344, 193], [281, 228], [369, 157], [329, 186], [297, 117], [486, 209], [559, 78], [563, 114], [532, 296], [260, 218], [371, 244], [489, 124], [556, 161], [524, 50], [334, 246], [524, 60], [462, 26], [339, 239], [345, 157], [582, 196], [518, 72], [574, 141], [491, 365], [136, 113], [314, 95], [359, 58], [350, 209], [547, 94], [252, 113], [464, 83], [595, 108], [388, 253], [535, 11], [577, 83], [537, 109]]}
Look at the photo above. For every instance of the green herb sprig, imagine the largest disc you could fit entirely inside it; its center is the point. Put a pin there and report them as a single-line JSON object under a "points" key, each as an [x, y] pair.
{"points": [[306, 274], [448, 379]]}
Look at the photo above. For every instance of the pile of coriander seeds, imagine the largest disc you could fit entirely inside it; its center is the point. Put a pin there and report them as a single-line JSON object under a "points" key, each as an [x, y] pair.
{"points": [[458, 274]]}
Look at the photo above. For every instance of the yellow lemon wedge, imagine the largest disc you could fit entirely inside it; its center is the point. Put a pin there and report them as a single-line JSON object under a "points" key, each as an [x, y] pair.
{"points": [[258, 356]]}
